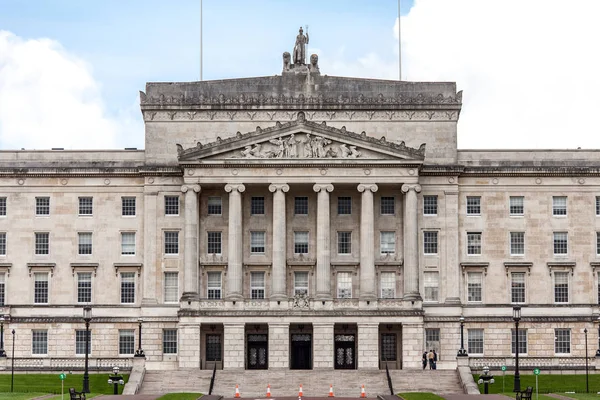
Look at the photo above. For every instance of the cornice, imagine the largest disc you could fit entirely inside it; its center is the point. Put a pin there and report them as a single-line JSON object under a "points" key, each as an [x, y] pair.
{"points": [[544, 171], [293, 313], [78, 172]]}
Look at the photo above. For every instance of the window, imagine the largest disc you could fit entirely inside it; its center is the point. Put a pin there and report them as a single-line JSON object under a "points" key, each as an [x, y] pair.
{"points": [[431, 286], [387, 242], [474, 243], [214, 205], [42, 243], [562, 341], [257, 242], [257, 206], [80, 342], [213, 242], [475, 341], [213, 347], [344, 242], [432, 339], [85, 206], [560, 243], [2, 206], [257, 285], [2, 289], [42, 206], [127, 206], [516, 205], [522, 341], [84, 287], [388, 205], [126, 341], [561, 287], [473, 205], [301, 283], [517, 243], [128, 287], [39, 341], [300, 205], [171, 287], [344, 285], [517, 287], [2, 243], [597, 205], [388, 285], [40, 288], [597, 243], [300, 242], [344, 205], [169, 341], [171, 205], [430, 242], [128, 243], [171, 242], [430, 205], [85, 243], [559, 205], [214, 285], [474, 286]]}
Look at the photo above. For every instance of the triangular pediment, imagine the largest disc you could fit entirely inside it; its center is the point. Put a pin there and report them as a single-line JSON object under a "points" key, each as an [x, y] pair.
{"points": [[300, 140]]}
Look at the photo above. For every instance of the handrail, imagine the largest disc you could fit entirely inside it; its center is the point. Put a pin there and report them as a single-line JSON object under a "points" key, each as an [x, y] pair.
{"points": [[212, 379], [387, 372]]}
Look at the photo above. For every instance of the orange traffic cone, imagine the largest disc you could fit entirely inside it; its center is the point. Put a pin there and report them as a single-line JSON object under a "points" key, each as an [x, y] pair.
{"points": [[269, 390], [362, 392], [237, 391], [300, 392], [331, 390]]}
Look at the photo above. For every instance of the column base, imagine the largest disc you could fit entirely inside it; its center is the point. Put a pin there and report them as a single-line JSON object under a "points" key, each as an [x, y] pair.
{"points": [[412, 297], [462, 361], [190, 296], [235, 297], [278, 297]]}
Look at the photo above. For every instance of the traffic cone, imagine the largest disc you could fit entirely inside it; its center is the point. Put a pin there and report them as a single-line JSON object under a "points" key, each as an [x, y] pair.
{"points": [[237, 391], [331, 390], [362, 392], [269, 390], [300, 392]]}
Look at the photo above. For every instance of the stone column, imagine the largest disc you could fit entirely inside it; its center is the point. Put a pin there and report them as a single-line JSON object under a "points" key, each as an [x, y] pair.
{"points": [[190, 253], [323, 242], [233, 354], [278, 291], [368, 346], [279, 345], [323, 345], [452, 269], [411, 242], [367, 243], [188, 335], [150, 240], [235, 252]]}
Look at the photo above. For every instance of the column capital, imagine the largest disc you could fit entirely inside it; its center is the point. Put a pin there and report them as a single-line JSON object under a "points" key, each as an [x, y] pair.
{"points": [[195, 188], [235, 187], [411, 186], [323, 187], [274, 187], [367, 186]]}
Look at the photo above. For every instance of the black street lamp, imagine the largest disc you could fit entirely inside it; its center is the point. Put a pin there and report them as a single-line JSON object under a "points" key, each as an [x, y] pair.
{"points": [[462, 352], [139, 352], [87, 317], [2, 352], [587, 381], [12, 368], [517, 318], [598, 351]]}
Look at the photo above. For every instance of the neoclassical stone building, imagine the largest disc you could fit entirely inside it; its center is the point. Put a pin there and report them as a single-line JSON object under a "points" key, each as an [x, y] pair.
{"points": [[299, 221]]}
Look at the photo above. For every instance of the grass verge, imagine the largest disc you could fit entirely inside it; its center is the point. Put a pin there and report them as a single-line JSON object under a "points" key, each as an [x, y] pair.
{"points": [[20, 396], [50, 383], [183, 396], [555, 383], [420, 396], [580, 396]]}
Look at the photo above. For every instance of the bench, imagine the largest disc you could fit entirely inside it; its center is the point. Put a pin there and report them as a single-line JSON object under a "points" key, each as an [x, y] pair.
{"points": [[76, 395], [525, 395]]}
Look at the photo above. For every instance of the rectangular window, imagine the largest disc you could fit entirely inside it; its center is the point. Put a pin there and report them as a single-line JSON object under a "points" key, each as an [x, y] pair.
{"points": [[559, 205], [560, 244], [257, 285], [128, 243], [2, 206], [517, 243], [42, 206], [388, 205], [344, 285], [430, 242], [127, 287], [387, 242], [42, 243], [40, 292], [388, 285], [2, 243], [86, 206], [517, 205], [517, 287], [562, 341], [171, 205], [301, 205], [522, 341], [432, 339], [257, 242], [561, 287], [475, 341], [300, 242], [2, 290], [80, 341], [39, 342], [85, 243], [597, 243], [214, 205], [597, 205], [214, 285], [169, 341], [213, 245], [344, 205], [257, 206], [126, 341], [171, 242], [301, 283], [128, 206], [430, 205], [344, 242], [431, 286], [474, 287], [171, 287], [473, 205], [474, 243], [84, 287]]}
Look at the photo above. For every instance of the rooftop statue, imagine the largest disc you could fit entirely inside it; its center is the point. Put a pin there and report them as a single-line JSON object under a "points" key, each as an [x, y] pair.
{"points": [[300, 47]]}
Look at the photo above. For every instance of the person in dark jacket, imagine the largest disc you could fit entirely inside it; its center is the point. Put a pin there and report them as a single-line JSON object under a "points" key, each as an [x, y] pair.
{"points": [[434, 359], [424, 360]]}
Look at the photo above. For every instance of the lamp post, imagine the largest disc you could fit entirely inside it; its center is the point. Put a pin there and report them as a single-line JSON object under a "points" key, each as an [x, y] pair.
{"points": [[587, 381], [12, 368], [517, 318], [139, 352], [115, 379], [2, 352], [462, 352], [87, 317], [598, 351]]}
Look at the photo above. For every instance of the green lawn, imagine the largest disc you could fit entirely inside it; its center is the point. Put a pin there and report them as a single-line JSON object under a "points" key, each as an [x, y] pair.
{"points": [[582, 396], [420, 396], [50, 383], [183, 396], [547, 383], [20, 396]]}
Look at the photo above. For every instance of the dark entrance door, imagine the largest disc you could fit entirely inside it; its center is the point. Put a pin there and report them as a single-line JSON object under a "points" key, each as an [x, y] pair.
{"points": [[257, 351], [301, 351], [345, 352]]}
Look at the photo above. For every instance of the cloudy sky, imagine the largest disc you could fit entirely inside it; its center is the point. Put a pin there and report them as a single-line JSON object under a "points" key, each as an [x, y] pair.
{"points": [[70, 70]]}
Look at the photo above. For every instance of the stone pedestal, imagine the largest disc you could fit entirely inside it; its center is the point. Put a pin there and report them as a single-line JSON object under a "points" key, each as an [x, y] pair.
{"points": [[233, 356], [368, 346], [188, 350], [279, 345], [323, 346]]}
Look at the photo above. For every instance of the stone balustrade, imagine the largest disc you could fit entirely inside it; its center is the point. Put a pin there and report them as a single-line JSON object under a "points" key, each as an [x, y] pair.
{"points": [[66, 363]]}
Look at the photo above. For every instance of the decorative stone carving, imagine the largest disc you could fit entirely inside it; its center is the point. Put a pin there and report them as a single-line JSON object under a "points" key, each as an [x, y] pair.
{"points": [[313, 146], [287, 61], [349, 151], [301, 301], [300, 47], [314, 63]]}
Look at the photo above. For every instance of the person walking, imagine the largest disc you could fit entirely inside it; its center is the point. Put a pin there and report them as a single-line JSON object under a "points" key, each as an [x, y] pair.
{"points": [[430, 358], [424, 360], [435, 358]]}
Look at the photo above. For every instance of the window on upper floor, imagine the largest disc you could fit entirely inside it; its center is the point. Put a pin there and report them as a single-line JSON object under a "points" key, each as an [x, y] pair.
{"points": [[39, 342], [562, 341], [561, 287], [388, 285], [172, 242], [474, 243], [169, 341], [301, 242], [214, 241], [474, 287], [597, 205], [388, 205], [2, 289], [128, 206], [127, 287], [86, 206], [213, 285], [257, 242], [560, 243], [559, 205], [42, 243], [2, 206], [84, 287], [301, 283], [171, 287], [517, 243], [215, 206], [517, 287], [344, 285], [257, 285], [344, 205], [517, 205], [2, 243], [128, 243], [430, 205], [430, 242], [257, 205], [40, 288], [344, 242], [387, 242], [522, 341], [301, 205], [171, 205], [85, 243], [473, 205], [598, 243], [431, 285], [475, 341], [42, 206]]}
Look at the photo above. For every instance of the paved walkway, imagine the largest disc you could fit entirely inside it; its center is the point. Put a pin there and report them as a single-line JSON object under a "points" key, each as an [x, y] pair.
{"points": [[128, 397], [475, 397]]}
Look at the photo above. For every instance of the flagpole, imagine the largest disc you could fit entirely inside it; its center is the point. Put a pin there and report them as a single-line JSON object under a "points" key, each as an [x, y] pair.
{"points": [[201, 49], [399, 45]]}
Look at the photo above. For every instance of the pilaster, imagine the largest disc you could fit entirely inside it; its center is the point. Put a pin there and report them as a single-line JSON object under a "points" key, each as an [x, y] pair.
{"points": [[190, 252], [188, 350], [451, 267], [323, 345], [412, 344], [367, 243], [233, 355], [411, 242], [279, 241], [323, 242], [368, 346], [279, 345], [235, 253], [149, 293]]}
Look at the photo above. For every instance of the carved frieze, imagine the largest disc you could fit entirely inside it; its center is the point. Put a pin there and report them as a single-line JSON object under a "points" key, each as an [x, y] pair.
{"points": [[299, 146]]}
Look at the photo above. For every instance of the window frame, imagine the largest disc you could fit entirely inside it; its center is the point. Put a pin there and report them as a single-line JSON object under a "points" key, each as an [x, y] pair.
{"points": [[522, 343], [255, 245], [390, 285], [3, 288], [344, 245], [213, 244], [469, 284], [384, 209], [172, 210], [80, 347], [429, 285], [128, 206], [430, 207], [559, 210], [472, 244], [472, 341], [127, 284], [257, 289], [428, 245], [36, 350], [129, 335], [343, 285], [84, 248], [3, 244], [39, 245], [169, 288], [211, 208], [124, 244], [300, 245], [562, 290], [298, 289], [515, 287], [169, 341], [171, 243], [82, 289], [215, 289], [556, 243], [557, 342], [473, 209], [513, 243], [81, 207], [3, 206], [42, 210], [298, 206], [257, 206], [344, 205], [512, 206], [389, 245], [39, 292]]}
